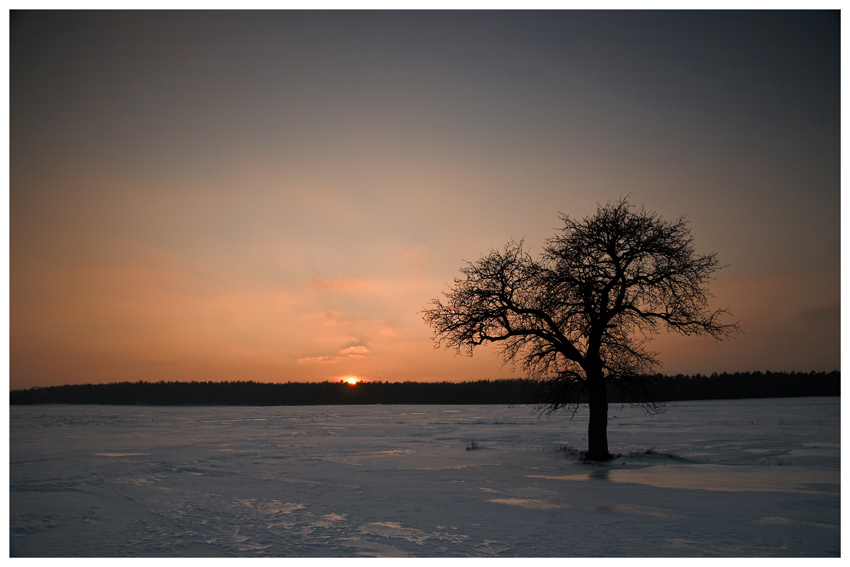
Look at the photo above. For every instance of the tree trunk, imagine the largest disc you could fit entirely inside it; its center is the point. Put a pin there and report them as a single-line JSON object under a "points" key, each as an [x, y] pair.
{"points": [[597, 428]]}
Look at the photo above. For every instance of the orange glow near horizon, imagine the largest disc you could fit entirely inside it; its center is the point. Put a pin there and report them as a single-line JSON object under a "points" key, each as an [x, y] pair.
{"points": [[278, 234]]}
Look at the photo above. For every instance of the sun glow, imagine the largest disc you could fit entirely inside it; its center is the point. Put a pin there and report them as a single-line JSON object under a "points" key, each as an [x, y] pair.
{"points": [[352, 380]]}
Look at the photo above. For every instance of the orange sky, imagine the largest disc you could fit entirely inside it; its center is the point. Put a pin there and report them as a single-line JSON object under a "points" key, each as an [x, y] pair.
{"points": [[273, 197]]}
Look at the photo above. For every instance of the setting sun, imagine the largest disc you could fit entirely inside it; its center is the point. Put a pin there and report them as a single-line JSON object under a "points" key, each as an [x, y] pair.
{"points": [[351, 380]]}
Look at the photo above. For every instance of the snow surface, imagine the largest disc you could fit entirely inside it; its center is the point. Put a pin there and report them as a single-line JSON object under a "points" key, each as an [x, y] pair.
{"points": [[708, 478]]}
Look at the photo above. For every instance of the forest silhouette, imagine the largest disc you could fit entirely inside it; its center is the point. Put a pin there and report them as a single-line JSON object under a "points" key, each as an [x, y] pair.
{"points": [[510, 391]]}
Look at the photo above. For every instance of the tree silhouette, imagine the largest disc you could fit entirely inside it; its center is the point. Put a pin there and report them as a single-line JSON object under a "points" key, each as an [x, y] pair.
{"points": [[580, 317]]}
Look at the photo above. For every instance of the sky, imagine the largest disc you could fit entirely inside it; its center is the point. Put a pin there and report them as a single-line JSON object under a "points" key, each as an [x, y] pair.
{"points": [[276, 196]]}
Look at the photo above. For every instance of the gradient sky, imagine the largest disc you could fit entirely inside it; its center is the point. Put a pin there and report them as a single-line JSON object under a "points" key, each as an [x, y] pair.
{"points": [[274, 196]]}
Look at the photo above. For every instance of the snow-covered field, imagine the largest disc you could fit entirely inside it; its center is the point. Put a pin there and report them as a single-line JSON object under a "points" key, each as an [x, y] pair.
{"points": [[721, 478]]}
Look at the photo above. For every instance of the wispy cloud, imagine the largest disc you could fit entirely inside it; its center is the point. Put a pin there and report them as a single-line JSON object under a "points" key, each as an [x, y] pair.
{"points": [[348, 353], [354, 352], [318, 359]]}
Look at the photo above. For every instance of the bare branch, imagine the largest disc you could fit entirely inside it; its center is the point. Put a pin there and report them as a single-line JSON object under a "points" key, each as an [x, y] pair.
{"points": [[582, 315]]}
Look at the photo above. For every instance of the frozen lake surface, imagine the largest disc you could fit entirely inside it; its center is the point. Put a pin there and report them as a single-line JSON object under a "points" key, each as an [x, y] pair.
{"points": [[707, 478]]}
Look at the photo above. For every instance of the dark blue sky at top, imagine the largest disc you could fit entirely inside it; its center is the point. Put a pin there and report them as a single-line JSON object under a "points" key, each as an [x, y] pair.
{"points": [[749, 72]]}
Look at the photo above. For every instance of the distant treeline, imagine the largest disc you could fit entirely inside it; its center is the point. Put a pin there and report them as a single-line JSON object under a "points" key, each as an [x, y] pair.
{"points": [[515, 391]]}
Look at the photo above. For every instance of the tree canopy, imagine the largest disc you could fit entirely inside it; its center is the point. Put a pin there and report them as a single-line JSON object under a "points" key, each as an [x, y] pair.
{"points": [[582, 314]]}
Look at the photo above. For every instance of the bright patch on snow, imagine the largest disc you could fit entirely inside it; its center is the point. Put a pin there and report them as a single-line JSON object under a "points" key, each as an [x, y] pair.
{"points": [[530, 503], [119, 454], [723, 478]]}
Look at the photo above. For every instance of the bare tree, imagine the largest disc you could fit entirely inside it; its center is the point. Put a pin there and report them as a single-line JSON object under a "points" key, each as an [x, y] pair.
{"points": [[581, 316]]}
